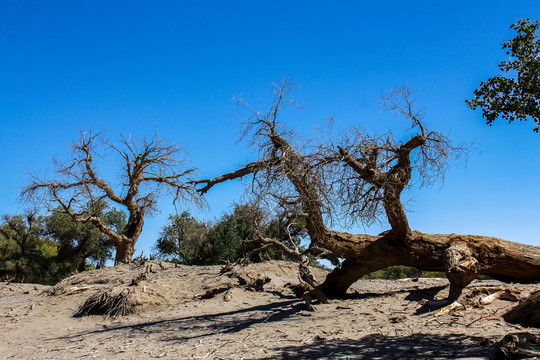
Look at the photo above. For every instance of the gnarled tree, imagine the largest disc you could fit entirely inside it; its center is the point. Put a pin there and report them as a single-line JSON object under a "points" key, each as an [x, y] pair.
{"points": [[359, 178], [148, 169]]}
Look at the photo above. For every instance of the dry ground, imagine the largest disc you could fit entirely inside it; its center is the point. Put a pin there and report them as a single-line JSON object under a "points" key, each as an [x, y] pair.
{"points": [[382, 319]]}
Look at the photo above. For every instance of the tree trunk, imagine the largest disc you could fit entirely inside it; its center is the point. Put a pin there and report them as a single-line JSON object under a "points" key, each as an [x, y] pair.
{"points": [[462, 257], [124, 252], [125, 244]]}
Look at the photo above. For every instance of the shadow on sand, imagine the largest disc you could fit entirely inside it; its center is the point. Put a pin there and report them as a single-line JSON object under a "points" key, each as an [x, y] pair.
{"points": [[192, 327], [376, 346]]}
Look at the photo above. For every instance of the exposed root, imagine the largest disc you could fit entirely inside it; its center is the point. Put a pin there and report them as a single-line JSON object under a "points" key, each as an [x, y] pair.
{"points": [[104, 303], [257, 284], [518, 346], [447, 309], [213, 292], [501, 294]]}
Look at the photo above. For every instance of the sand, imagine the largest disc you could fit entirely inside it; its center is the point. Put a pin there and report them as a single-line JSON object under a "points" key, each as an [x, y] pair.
{"points": [[171, 318]]}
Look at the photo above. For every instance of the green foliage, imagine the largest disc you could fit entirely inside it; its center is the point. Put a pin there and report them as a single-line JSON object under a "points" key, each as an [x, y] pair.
{"points": [[192, 242], [184, 240], [46, 249], [402, 272], [518, 96], [226, 238], [26, 255], [79, 242]]}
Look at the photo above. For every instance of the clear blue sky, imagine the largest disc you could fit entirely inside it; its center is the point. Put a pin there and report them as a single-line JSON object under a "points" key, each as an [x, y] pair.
{"points": [[134, 67]]}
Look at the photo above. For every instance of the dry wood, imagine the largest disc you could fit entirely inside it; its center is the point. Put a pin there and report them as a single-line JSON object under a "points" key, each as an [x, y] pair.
{"points": [[361, 177], [501, 294], [105, 303], [446, 310], [518, 346], [527, 312], [148, 167]]}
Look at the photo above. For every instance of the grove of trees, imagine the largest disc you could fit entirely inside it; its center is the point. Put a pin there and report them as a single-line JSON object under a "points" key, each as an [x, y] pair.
{"points": [[45, 249]]}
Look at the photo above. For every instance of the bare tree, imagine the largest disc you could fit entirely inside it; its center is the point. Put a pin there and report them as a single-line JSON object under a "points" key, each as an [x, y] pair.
{"points": [[361, 177], [148, 169]]}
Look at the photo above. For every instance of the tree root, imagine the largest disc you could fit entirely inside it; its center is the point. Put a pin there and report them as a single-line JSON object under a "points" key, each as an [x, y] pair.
{"points": [[104, 303], [447, 309], [518, 346]]}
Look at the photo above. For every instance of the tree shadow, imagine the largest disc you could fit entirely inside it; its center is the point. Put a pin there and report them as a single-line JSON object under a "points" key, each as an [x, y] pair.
{"points": [[199, 326], [422, 295], [415, 294], [376, 346]]}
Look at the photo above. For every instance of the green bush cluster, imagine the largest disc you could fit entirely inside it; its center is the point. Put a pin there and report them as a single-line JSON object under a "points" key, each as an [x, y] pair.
{"points": [[46, 249], [403, 272], [189, 241]]}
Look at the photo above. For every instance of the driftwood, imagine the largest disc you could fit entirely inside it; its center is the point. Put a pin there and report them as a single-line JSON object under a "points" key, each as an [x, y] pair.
{"points": [[526, 313], [518, 346]]}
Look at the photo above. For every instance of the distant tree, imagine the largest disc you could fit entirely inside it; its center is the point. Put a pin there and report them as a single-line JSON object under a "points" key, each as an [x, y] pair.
{"points": [[516, 97], [189, 241], [79, 242], [183, 240], [26, 255], [148, 168]]}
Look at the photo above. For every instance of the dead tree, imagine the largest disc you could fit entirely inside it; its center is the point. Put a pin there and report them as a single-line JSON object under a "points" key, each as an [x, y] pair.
{"points": [[148, 168], [366, 176]]}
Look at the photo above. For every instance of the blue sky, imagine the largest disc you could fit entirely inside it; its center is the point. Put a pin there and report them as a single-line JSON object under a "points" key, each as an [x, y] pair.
{"points": [[134, 68]]}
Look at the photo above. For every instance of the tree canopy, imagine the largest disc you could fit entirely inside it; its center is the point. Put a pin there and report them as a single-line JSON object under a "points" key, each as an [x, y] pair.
{"points": [[517, 95]]}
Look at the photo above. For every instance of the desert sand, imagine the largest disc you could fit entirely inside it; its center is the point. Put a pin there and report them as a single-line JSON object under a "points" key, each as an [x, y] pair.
{"points": [[195, 312]]}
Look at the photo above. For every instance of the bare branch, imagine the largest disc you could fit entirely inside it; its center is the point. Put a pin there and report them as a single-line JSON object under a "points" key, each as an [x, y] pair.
{"points": [[148, 168], [246, 170]]}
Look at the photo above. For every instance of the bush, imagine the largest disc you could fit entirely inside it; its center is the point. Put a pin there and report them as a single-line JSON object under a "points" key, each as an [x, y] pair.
{"points": [[402, 272]]}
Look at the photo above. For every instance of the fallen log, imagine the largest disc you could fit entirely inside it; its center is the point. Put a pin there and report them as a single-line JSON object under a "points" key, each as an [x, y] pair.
{"points": [[462, 257]]}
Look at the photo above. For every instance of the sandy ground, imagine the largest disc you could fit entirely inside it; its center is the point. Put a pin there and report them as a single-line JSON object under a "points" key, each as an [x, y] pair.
{"points": [[381, 319]]}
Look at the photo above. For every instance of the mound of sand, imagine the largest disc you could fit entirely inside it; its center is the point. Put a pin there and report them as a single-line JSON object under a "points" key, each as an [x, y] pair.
{"points": [[198, 312]]}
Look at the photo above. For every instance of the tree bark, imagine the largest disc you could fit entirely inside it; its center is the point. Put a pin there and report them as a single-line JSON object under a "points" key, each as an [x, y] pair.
{"points": [[527, 312], [462, 257], [124, 252]]}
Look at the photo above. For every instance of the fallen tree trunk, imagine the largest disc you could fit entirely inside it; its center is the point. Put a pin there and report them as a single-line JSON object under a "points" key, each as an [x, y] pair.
{"points": [[462, 257]]}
